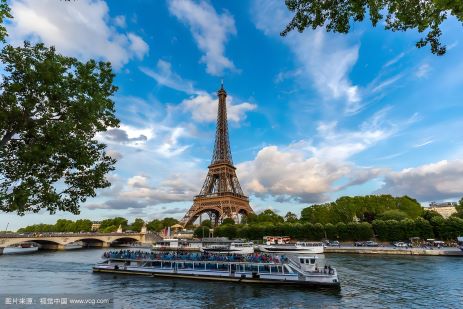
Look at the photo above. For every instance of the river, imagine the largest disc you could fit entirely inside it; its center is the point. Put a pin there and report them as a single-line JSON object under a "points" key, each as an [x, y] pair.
{"points": [[368, 281]]}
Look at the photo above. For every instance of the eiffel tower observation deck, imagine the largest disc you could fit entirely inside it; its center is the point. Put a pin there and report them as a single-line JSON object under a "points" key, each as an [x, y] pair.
{"points": [[221, 195]]}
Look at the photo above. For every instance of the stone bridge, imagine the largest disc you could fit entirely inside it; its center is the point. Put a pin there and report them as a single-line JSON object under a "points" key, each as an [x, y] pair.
{"points": [[57, 241]]}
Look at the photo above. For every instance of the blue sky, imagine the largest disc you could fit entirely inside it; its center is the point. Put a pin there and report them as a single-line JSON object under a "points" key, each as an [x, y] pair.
{"points": [[312, 116]]}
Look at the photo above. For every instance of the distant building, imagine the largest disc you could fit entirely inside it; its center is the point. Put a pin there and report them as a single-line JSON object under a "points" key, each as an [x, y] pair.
{"points": [[95, 225], [444, 209]]}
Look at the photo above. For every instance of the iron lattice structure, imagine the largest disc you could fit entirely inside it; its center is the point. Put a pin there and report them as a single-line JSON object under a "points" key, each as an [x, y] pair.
{"points": [[221, 195]]}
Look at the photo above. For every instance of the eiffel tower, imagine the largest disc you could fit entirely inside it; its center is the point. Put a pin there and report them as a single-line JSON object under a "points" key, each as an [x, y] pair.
{"points": [[221, 195]]}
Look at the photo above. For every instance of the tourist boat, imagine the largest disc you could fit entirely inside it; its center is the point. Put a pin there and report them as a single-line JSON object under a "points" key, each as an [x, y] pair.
{"points": [[303, 271], [172, 244], [232, 248], [298, 248]]}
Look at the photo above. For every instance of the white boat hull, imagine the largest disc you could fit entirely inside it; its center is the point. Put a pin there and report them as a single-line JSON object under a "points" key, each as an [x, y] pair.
{"points": [[292, 249], [315, 280]]}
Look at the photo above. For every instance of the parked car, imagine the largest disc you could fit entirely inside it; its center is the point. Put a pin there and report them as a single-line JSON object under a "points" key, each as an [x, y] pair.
{"points": [[400, 244], [358, 244], [334, 243], [370, 243]]}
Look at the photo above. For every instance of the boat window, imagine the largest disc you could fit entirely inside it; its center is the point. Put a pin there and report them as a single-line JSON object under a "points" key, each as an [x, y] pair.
{"points": [[301, 260], [312, 261], [274, 269], [264, 269]]}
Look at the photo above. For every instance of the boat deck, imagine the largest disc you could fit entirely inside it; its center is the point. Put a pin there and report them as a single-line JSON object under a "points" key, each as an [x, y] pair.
{"points": [[270, 272]]}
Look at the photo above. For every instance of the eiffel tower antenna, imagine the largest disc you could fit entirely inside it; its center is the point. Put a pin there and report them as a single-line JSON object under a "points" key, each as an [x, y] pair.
{"points": [[221, 195]]}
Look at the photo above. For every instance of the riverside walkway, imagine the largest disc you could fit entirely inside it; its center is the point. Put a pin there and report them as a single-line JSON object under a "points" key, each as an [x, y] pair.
{"points": [[395, 251]]}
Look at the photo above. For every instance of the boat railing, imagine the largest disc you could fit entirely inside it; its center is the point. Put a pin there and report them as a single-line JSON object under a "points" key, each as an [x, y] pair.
{"points": [[197, 261]]}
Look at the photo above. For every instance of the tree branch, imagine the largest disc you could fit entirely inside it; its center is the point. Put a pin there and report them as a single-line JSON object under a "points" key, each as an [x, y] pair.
{"points": [[6, 138]]}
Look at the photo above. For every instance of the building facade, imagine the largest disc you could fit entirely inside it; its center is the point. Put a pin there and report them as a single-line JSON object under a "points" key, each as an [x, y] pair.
{"points": [[444, 209]]}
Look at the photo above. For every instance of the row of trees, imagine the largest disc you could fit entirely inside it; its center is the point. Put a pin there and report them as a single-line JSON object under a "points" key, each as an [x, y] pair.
{"points": [[106, 226], [363, 208], [390, 230], [62, 225]]}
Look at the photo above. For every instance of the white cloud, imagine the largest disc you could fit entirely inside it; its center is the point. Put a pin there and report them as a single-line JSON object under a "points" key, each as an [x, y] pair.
{"points": [[423, 70], [287, 173], [138, 181], [114, 154], [141, 192], [394, 60], [419, 145], [175, 188], [203, 108], [127, 135], [309, 172], [78, 28], [435, 181], [341, 145], [325, 59], [166, 77], [137, 45], [209, 29], [120, 21], [170, 146], [379, 85]]}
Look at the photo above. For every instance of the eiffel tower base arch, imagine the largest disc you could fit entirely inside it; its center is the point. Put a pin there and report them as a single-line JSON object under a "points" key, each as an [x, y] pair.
{"points": [[217, 208]]}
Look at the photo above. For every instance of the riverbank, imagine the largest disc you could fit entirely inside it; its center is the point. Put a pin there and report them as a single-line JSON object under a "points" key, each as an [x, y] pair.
{"points": [[395, 251]]}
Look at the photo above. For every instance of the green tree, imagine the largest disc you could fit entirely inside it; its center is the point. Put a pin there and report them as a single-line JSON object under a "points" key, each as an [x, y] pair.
{"points": [[269, 216], [109, 229], [359, 231], [51, 107], [228, 221], [291, 217], [206, 223], [393, 214], [63, 225], [154, 225], [423, 228], [452, 228], [336, 16], [249, 219], [409, 206], [459, 209], [166, 222], [429, 214], [438, 224], [83, 225], [227, 230], [137, 225], [318, 214], [4, 13], [331, 231], [342, 231], [201, 231], [114, 222]]}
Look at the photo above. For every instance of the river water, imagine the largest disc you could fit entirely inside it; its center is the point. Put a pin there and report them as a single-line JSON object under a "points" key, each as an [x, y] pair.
{"points": [[368, 281]]}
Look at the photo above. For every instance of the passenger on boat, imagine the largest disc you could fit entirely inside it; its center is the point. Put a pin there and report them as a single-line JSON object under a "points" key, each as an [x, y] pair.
{"points": [[205, 256]]}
